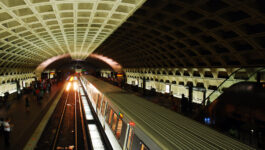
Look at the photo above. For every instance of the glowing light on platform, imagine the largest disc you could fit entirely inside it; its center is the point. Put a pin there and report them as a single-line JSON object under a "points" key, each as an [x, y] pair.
{"points": [[75, 86], [68, 86]]}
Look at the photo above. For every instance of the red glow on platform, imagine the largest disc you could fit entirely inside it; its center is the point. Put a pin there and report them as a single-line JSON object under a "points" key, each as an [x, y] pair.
{"points": [[132, 123], [119, 75]]}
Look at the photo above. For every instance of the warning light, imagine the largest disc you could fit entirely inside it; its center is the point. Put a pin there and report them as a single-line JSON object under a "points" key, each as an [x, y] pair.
{"points": [[71, 79], [132, 123], [119, 75], [121, 115]]}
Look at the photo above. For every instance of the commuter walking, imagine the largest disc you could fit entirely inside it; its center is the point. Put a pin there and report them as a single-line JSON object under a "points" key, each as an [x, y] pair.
{"points": [[27, 104], [7, 130]]}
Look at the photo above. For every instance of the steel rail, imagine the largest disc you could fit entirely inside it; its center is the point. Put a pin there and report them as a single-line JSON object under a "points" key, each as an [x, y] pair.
{"points": [[76, 144], [54, 143], [82, 122]]}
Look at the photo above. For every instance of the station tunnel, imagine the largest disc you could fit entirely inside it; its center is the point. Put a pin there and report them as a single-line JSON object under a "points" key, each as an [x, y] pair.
{"points": [[198, 64]]}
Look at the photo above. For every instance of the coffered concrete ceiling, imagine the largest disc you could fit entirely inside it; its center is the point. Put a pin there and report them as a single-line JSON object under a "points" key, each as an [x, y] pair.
{"points": [[160, 34], [32, 31], [190, 33]]}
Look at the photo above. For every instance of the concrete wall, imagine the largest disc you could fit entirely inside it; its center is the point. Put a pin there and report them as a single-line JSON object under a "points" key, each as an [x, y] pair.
{"points": [[157, 77]]}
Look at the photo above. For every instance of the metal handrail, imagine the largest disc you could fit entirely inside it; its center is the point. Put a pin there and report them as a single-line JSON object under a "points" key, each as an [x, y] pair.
{"points": [[203, 102], [231, 75]]}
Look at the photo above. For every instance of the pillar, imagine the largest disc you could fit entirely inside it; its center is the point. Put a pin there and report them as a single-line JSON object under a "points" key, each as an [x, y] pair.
{"points": [[204, 97], [144, 85], [18, 86], [258, 77], [190, 98]]}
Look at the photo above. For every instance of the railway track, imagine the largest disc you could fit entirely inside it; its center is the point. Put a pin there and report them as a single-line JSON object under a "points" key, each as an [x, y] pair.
{"points": [[66, 129], [68, 134], [71, 127]]}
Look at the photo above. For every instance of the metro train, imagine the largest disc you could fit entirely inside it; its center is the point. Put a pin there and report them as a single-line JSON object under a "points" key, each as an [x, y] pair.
{"points": [[72, 81], [133, 123]]}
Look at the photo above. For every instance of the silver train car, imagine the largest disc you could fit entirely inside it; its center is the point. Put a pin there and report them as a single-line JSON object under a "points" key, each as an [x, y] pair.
{"points": [[137, 124]]}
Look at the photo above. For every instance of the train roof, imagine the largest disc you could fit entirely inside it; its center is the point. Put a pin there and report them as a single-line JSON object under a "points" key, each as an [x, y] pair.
{"points": [[168, 129]]}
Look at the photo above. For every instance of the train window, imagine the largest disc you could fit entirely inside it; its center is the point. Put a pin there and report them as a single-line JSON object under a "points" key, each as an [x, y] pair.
{"points": [[110, 116], [144, 147], [119, 127], [94, 96], [123, 133], [130, 139], [99, 102], [114, 122], [107, 113], [103, 108]]}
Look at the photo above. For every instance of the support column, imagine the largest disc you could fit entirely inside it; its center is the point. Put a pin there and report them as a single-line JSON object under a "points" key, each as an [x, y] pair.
{"points": [[190, 98], [18, 89], [144, 85], [258, 77], [204, 97], [48, 74]]}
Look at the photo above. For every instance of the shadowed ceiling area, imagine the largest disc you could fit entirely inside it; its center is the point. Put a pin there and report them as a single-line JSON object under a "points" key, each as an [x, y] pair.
{"points": [[191, 33], [68, 63]]}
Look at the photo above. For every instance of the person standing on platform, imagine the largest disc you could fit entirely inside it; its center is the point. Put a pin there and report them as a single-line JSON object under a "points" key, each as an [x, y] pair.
{"points": [[37, 91], [7, 130], [27, 104], [183, 104]]}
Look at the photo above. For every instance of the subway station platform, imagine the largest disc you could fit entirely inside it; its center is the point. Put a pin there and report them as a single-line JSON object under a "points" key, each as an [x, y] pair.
{"points": [[25, 122], [197, 66]]}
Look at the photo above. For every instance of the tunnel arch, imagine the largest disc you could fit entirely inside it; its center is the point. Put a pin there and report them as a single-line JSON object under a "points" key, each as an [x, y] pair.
{"points": [[115, 65]]}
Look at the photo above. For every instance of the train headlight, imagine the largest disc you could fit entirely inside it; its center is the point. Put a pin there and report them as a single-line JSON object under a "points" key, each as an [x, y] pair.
{"points": [[68, 86], [75, 86]]}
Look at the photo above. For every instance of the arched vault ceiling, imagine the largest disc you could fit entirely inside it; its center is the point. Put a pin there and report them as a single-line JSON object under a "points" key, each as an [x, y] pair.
{"points": [[32, 31], [191, 33]]}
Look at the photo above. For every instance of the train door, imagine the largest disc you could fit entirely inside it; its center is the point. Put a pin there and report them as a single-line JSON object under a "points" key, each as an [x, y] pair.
{"points": [[128, 138], [118, 128], [121, 132], [110, 117], [98, 103], [144, 147], [114, 122], [137, 144], [95, 96], [100, 108], [104, 112]]}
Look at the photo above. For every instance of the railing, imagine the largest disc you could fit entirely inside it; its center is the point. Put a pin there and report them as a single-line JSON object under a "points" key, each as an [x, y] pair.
{"points": [[231, 80]]}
